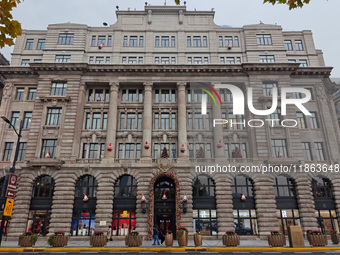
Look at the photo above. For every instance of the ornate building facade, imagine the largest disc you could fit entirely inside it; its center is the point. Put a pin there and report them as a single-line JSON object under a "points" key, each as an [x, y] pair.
{"points": [[113, 131]]}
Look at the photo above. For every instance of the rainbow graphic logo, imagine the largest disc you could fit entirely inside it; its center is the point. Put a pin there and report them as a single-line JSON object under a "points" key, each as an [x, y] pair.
{"points": [[206, 87]]}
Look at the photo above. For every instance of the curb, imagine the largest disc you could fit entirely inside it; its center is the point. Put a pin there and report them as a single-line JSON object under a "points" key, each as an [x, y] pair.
{"points": [[164, 249]]}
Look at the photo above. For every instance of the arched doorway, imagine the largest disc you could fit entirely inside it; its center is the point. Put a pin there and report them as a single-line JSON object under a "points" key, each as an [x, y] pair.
{"points": [[165, 204]]}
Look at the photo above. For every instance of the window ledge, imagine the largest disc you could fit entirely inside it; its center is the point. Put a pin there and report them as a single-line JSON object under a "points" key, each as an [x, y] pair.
{"points": [[45, 162], [55, 98]]}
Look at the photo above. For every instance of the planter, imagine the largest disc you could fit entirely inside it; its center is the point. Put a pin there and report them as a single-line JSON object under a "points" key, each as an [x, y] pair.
{"points": [[318, 240], [307, 235], [231, 240], [169, 240], [98, 241], [59, 241], [182, 240], [276, 240], [335, 238], [198, 240], [133, 241], [25, 241]]}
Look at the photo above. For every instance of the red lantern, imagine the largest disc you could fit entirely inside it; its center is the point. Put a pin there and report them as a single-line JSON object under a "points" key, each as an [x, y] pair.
{"points": [[164, 197], [143, 199], [146, 146], [219, 145], [243, 197], [109, 148], [182, 149], [85, 199]]}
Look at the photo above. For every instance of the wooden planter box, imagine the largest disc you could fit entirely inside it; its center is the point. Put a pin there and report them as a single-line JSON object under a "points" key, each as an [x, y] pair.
{"points": [[134, 241], [233, 241], [25, 241], [169, 240], [276, 240], [198, 240], [183, 240], [98, 241], [59, 241], [318, 240], [335, 238]]}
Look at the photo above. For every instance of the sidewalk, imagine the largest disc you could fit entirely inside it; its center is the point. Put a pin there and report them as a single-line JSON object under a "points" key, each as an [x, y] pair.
{"points": [[208, 245]]}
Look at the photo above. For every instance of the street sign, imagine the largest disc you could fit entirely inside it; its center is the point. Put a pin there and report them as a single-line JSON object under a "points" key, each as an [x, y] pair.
{"points": [[8, 207], [12, 185]]}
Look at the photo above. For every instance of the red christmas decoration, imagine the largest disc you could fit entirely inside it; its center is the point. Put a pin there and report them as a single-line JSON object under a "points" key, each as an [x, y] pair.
{"points": [[109, 148], [47, 155], [243, 197], [143, 198], [101, 45], [85, 199], [219, 145], [185, 198], [146, 146], [164, 197], [229, 46], [182, 149]]}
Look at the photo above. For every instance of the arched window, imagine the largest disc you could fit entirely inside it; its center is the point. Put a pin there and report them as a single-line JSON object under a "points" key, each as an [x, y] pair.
{"points": [[41, 205], [124, 211], [83, 219], [167, 186], [204, 208], [324, 205], [286, 203], [245, 220]]}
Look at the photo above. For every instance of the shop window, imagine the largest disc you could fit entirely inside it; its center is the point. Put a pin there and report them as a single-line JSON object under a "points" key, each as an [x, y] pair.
{"points": [[123, 222], [205, 221], [245, 222]]}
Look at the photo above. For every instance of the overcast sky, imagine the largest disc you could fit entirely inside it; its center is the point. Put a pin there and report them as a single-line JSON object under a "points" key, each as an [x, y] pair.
{"points": [[320, 16]]}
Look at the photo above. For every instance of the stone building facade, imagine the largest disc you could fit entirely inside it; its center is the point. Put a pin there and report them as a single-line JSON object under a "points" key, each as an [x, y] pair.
{"points": [[99, 105]]}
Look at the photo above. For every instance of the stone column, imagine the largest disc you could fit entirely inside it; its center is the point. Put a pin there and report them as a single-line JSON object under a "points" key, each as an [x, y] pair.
{"points": [[182, 121], [63, 201], [306, 203], [147, 122], [224, 205], [265, 204], [104, 206], [112, 120], [21, 205], [217, 131]]}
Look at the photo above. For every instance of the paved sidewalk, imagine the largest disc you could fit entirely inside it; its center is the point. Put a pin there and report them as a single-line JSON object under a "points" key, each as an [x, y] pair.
{"points": [[148, 244]]}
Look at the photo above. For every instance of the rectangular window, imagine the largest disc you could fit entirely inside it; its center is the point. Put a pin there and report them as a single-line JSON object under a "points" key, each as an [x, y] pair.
{"points": [[107, 60], [319, 151], [189, 121], [165, 60], [165, 121], [133, 41], [14, 119], [228, 41], [156, 121], [122, 120], [165, 41], [105, 120], [288, 45], [93, 151], [238, 60], [65, 38], [291, 61], [125, 41], [102, 150], [138, 150], [96, 120], [230, 60], [205, 41], [197, 41], [7, 151], [20, 94], [173, 60], [27, 120], [220, 41], [140, 121], [313, 121], [298, 45], [131, 121], [29, 44], [99, 60], [173, 121], [41, 44], [264, 39], [37, 60], [91, 60], [189, 41], [189, 60], [301, 120], [101, 40], [198, 121], [155, 150], [222, 60], [267, 59], [123, 60], [279, 148], [58, 89], [275, 117], [53, 116], [132, 60], [87, 120], [93, 41], [207, 121], [268, 88], [173, 41], [141, 41], [25, 62], [31, 93], [140, 60], [238, 150], [129, 150], [206, 60], [49, 147], [303, 63], [22, 151], [307, 155], [62, 58], [156, 60], [109, 41], [197, 60], [236, 41], [311, 93], [157, 41], [120, 150]]}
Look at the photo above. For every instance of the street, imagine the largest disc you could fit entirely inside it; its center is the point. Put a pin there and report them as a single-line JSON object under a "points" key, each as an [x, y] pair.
{"points": [[178, 253]]}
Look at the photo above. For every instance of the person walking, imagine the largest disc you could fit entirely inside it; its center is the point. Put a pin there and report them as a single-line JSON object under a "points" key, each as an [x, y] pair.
{"points": [[155, 236], [109, 234], [162, 235]]}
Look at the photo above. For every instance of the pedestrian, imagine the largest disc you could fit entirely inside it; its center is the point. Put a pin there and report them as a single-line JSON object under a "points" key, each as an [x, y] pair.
{"points": [[162, 235], [109, 234], [155, 236]]}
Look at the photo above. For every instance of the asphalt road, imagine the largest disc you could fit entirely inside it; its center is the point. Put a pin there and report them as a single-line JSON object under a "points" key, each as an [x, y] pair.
{"points": [[178, 252]]}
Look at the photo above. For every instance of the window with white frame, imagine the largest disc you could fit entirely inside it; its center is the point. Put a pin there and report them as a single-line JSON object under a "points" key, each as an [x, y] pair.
{"points": [[96, 120], [132, 95], [93, 150], [267, 59], [279, 148], [130, 121], [165, 96], [129, 150], [159, 147], [320, 156], [98, 95], [264, 39], [200, 150], [307, 154]]}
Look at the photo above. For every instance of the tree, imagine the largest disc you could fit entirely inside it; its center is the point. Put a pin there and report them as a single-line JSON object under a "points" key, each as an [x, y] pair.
{"points": [[291, 3], [9, 28]]}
